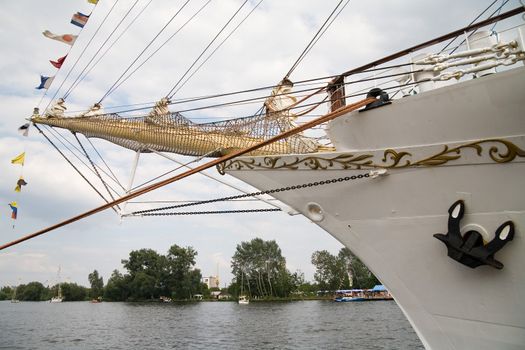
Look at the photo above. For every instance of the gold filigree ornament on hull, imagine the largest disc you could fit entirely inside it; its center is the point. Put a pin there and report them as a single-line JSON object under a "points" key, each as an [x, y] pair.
{"points": [[498, 150]]}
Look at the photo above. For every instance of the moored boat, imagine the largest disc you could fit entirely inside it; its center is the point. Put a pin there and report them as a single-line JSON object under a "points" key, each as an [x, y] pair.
{"points": [[58, 298], [379, 292], [243, 300]]}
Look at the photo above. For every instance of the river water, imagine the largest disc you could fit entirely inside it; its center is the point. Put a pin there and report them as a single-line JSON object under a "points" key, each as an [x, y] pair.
{"points": [[205, 325]]}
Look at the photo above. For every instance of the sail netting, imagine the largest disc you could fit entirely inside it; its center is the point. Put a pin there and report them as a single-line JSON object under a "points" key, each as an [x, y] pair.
{"points": [[172, 132]]}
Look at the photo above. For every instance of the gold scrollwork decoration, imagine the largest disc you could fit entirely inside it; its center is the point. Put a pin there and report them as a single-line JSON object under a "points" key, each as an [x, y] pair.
{"points": [[500, 151], [508, 154], [395, 157], [511, 152], [345, 161]]}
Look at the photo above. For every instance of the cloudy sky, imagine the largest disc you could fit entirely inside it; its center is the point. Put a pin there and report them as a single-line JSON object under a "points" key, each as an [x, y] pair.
{"points": [[258, 54]]}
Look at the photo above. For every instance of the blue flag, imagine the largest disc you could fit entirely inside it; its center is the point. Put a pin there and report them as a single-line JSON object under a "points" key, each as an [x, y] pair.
{"points": [[45, 82]]}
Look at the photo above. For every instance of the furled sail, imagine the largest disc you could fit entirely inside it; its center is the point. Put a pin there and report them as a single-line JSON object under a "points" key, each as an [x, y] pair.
{"points": [[165, 131]]}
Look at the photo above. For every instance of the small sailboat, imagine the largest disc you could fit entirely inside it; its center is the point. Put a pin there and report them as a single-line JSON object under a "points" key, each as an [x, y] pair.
{"points": [[13, 298], [58, 298], [243, 299]]}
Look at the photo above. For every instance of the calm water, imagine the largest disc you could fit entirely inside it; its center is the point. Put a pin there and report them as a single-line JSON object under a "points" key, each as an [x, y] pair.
{"points": [[205, 325]]}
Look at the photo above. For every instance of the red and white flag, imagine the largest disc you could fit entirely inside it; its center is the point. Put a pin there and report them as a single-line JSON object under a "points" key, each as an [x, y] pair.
{"points": [[65, 38], [58, 62]]}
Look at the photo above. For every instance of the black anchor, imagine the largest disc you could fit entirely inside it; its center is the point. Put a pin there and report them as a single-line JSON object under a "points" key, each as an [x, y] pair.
{"points": [[469, 248]]}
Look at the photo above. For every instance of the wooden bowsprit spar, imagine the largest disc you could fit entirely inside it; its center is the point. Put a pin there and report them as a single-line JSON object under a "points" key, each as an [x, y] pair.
{"points": [[210, 164]]}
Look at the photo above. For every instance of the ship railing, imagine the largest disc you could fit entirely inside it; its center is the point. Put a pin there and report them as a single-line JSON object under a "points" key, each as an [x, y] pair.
{"points": [[414, 70]]}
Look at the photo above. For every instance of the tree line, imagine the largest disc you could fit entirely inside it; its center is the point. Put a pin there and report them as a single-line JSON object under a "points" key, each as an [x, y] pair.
{"points": [[36, 291], [258, 267]]}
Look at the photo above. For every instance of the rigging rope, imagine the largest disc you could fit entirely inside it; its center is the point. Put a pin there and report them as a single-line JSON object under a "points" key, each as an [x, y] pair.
{"points": [[474, 20], [313, 41], [74, 167], [80, 56], [197, 159], [327, 27], [499, 12], [492, 15], [113, 176], [110, 90], [54, 133], [149, 105], [79, 78], [160, 47], [262, 98], [217, 48], [170, 94], [95, 168], [195, 99]]}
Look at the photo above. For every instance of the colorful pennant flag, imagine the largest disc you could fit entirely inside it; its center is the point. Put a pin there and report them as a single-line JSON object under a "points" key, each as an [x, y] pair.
{"points": [[24, 129], [14, 209], [21, 182], [45, 82], [19, 159], [58, 63], [79, 19], [93, 1], [65, 38]]}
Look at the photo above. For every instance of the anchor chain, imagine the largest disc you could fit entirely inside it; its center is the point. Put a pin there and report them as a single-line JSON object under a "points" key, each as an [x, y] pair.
{"points": [[243, 211], [150, 212]]}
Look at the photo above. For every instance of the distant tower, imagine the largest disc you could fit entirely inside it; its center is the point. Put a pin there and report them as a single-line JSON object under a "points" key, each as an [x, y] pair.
{"points": [[217, 280]]}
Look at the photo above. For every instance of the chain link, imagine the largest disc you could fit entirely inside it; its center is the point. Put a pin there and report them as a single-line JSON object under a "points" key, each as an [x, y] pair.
{"points": [[150, 212], [213, 212]]}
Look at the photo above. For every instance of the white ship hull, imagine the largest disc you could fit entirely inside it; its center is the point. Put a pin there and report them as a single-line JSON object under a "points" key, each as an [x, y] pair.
{"points": [[389, 220]]}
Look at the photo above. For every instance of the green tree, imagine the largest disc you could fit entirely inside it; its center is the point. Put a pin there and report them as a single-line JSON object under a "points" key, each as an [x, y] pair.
{"points": [[361, 275], [142, 286], [191, 284], [334, 272], [33, 291], [6, 293], [73, 292], [97, 285], [308, 288], [146, 270], [152, 275], [330, 270], [261, 269], [182, 279], [205, 291], [116, 288]]}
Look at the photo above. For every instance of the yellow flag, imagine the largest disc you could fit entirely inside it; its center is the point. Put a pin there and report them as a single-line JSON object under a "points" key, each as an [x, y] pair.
{"points": [[19, 159], [93, 1]]}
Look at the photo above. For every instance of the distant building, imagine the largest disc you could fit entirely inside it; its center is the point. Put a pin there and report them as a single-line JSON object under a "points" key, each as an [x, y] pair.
{"points": [[224, 296], [211, 281], [215, 294]]}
